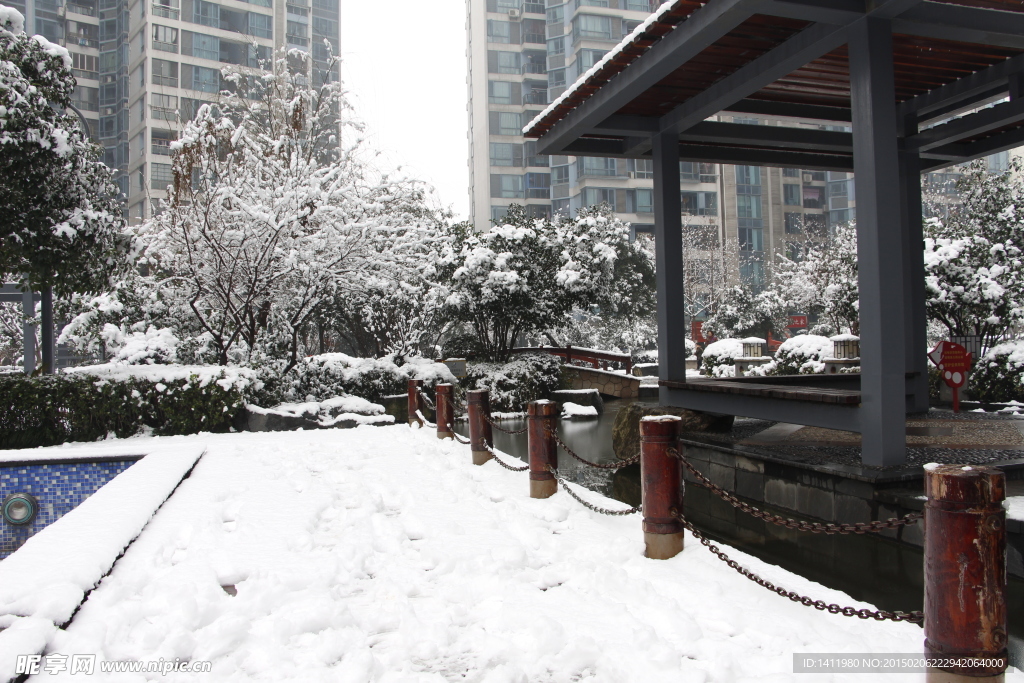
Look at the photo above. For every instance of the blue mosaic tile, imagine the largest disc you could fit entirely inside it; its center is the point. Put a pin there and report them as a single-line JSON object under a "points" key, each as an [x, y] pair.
{"points": [[59, 488]]}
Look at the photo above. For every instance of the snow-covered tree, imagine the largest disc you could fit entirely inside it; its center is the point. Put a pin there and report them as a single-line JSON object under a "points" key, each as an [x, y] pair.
{"points": [[273, 212], [973, 260], [524, 275], [62, 224], [709, 268], [742, 312]]}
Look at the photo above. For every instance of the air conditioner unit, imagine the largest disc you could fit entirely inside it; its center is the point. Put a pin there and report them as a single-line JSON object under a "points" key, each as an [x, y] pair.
{"points": [[513, 14], [631, 174], [808, 177]]}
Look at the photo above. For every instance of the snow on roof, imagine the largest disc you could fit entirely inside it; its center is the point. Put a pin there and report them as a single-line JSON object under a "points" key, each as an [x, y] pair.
{"points": [[844, 338], [753, 340], [665, 8]]}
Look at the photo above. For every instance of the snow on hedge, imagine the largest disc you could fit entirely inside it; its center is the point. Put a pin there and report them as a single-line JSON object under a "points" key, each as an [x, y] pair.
{"points": [[800, 355], [719, 359], [998, 376], [338, 374], [227, 377], [43, 582], [387, 556]]}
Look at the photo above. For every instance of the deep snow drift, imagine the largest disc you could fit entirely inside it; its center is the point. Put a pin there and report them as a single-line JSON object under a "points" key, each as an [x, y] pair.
{"points": [[382, 554]]}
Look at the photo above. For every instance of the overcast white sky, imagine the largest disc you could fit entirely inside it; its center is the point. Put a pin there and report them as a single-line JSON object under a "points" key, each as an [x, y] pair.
{"points": [[404, 63]]}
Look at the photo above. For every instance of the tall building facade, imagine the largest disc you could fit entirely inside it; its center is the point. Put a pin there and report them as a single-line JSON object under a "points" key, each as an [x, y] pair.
{"points": [[142, 64]]}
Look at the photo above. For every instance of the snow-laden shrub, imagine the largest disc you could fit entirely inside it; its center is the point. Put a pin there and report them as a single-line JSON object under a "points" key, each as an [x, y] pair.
{"points": [[999, 375], [525, 378], [92, 402], [800, 355], [338, 374], [719, 358], [152, 347]]}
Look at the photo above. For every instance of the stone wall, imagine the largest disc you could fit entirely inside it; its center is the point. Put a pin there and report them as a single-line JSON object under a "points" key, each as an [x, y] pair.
{"points": [[606, 382]]}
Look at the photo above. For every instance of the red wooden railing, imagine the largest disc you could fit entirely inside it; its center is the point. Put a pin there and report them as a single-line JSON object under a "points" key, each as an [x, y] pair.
{"points": [[592, 356]]}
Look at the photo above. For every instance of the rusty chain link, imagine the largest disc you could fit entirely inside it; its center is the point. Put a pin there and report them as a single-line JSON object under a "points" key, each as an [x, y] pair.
{"points": [[612, 466], [425, 398], [423, 420], [603, 511], [513, 432], [813, 527], [499, 461], [832, 608]]}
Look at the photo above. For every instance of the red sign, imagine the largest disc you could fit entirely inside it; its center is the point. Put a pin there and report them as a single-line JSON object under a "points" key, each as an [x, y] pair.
{"points": [[953, 361], [696, 333], [796, 321]]}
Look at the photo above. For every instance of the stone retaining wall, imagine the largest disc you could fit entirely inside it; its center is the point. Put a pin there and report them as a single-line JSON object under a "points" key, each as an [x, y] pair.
{"points": [[606, 382]]}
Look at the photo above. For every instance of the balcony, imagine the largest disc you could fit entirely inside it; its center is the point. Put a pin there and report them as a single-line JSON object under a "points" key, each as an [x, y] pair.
{"points": [[536, 97], [81, 73], [81, 41], [534, 38], [534, 68], [81, 9], [161, 147], [166, 12], [534, 7], [170, 81], [162, 113], [165, 47]]}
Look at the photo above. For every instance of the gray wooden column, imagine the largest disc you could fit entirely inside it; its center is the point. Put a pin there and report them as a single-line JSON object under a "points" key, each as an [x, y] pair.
{"points": [[668, 243], [916, 321], [28, 309], [879, 244]]}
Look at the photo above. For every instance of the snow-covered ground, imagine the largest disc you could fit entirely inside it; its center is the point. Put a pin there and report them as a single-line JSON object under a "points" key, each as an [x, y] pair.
{"points": [[382, 554]]}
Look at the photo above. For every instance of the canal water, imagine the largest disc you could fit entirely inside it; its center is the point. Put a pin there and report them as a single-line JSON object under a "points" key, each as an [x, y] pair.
{"points": [[867, 567]]}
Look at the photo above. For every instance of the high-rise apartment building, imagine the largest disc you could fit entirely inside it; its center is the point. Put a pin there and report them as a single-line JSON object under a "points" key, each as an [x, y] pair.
{"points": [[141, 64]]}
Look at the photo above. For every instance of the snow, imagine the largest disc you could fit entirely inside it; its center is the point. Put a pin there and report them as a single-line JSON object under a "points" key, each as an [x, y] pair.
{"points": [[227, 376], [14, 17], [1014, 507], [331, 411], [751, 340], [384, 555], [573, 411], [44, 581], [844, 338]]}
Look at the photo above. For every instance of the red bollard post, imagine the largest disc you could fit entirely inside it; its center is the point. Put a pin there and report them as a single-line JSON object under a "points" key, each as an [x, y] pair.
{"points": [[414, 400], [540, 422], [661, 477], [965, 571], [443, 411], [478, 405]]}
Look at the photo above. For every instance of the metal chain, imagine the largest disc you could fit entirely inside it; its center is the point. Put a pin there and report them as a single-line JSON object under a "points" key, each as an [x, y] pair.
{"points": [[451, 425], [513, 432], [499, 461], [426, 399], [613, 466], [603, 511], [423, 420], [813, 527], [879, 615]]}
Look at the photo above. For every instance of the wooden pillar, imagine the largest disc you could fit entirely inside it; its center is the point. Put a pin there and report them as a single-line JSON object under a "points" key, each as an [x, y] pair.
{"points": [[414, 400], [46, 333], [668, 245], [28, 309], [661, 478], [540, 424], [480, 435], [880, 244], [443, 412], [965, 569]]}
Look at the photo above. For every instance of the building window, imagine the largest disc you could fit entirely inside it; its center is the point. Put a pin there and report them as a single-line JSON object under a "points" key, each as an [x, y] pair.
{"points": [[498, 214], [161, 142], [812, 197], [165, 73], [791, 173], [794, 223], [261, 25], [699, 203], [591, 26], [815, 222], [206, 13], [538, 185], [165, 38], [836, 218], [556, 46], [207, 47], [748, 175], [638, 6], [794, 251], [588, 58], [507, 186], [205, 80], [506, 154], [167, 9], [86, 98], [595, 166], [297, 33], [163, 106], [592, 3], [160, 176], [640, 201], [750, 238], [506, 123], [559, 174], [499, 31], [531, 158], [84, 66], [748, 206], [640, 168], [560, 206], [556, 78], [592, 196], [505, 62], [499, 92], [555, 15], [791, 195]]}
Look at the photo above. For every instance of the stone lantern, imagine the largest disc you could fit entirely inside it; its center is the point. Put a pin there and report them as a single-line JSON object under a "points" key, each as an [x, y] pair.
{"points": [[753, 355], [846, 355]]}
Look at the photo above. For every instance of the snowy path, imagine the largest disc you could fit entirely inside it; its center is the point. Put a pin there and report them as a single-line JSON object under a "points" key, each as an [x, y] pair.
{"points": [[381, 554]]}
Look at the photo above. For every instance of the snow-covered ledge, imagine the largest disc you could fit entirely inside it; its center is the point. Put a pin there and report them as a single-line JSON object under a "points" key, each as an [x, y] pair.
{"points": [[43, 583]]}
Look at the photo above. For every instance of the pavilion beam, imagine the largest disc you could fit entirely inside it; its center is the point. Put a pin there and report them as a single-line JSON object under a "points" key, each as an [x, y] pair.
{"points": [[990, 96], [766, 157], [964, 24], [984, 121], [947, 155], [796, 111], [974, 85], [880, 244], [668, 247], [702, 29], [804, 47], [768, 136]]}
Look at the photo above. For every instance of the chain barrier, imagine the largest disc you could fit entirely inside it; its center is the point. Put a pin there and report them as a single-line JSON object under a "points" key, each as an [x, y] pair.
{"points": [[500, 462], [603, 511], [813, 527], [451, 425], [513, 432], [425, 399], [832, 608], [423, 420], [612, 466]]}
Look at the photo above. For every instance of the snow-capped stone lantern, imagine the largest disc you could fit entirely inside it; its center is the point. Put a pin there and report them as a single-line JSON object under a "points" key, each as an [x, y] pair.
{"points": [[753, 355], [846, 352]]}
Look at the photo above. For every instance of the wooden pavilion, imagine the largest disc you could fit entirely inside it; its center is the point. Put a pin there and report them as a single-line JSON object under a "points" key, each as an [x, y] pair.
{"points": [[922, 83]]}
